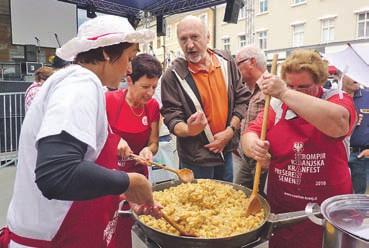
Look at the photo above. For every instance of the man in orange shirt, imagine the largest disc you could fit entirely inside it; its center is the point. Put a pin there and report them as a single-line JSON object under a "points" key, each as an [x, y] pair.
{"points": [[203, 102]]}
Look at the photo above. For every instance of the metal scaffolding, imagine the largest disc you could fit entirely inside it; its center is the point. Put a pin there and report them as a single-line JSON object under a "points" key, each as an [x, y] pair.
{"points": [[108, 7], [165, 7], [157, 8]]}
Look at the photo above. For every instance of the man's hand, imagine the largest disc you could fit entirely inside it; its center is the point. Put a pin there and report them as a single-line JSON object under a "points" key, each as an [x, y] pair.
{"points": [[196, 123], [221, 139], [364, 154]]}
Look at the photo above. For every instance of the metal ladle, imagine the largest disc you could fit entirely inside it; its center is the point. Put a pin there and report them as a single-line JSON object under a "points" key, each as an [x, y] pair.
{"points": [[185, 175]]}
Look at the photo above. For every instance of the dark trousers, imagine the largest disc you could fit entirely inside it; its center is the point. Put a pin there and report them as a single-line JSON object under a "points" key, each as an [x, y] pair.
{"points": [[246, 174], [359, 173], [221, 172]]}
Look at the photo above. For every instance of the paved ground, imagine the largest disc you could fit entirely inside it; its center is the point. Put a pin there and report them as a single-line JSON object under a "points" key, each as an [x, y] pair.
{"points": [[7, 175]]}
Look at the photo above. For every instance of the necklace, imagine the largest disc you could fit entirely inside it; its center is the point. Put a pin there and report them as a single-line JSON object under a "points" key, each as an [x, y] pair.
{"points": [[132, 109], [134, 113], [128, 101]]}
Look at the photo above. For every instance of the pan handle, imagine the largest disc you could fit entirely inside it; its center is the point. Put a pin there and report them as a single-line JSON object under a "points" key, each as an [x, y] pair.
{"points": [[284, 219], [309, 209], [124, 212], [278, 220]]}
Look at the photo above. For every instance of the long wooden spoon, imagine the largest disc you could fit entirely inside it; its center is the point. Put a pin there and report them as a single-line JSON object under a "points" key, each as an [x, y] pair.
{"points": [[253, 205], [185, 175], [177, 227]]}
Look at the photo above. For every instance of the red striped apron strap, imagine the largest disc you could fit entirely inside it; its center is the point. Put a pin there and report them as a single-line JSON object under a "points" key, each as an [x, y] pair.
{"points": [[29, 241], [4, 237]]}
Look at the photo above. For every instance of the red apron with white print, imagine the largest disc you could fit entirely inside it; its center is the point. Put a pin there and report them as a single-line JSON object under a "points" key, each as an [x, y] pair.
{"points": [[136, 141], [307, 166], [88, 223], [92, 223]]}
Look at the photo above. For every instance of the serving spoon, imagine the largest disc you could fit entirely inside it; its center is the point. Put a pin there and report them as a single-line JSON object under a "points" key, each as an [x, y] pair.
{"points": [[185, 175], [253, 205]]}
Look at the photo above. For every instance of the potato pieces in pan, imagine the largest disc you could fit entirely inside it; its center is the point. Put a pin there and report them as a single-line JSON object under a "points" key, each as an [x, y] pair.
{"points": [[207, 208]]}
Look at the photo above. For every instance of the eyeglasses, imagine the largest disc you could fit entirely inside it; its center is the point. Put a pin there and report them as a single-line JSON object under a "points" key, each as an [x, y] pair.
{"points": [[300, 87], [240, 62]]}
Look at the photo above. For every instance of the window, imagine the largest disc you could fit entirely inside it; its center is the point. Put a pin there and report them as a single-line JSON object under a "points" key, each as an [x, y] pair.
{"points": [[227, 44], [263, 6], [328, 30], [298, 35], [363, 25], [242, 40], [242, 14], [298, 1], [262, 39]]}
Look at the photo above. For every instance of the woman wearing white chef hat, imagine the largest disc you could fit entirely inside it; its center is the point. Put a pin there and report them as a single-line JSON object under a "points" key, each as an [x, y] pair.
{"points": [[66, 190]]}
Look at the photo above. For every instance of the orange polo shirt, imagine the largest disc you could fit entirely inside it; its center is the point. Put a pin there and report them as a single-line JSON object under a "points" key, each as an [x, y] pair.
{"points": [[213, 92]]}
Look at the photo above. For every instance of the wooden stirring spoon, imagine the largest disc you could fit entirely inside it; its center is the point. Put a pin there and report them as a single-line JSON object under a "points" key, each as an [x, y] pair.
{"points": [[177, 227], [253, 205], [185, 175]]}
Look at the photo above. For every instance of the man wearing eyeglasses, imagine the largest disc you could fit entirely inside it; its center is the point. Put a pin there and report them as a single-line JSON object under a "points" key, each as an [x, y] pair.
{"points": [[251, 63], [203, 102]]}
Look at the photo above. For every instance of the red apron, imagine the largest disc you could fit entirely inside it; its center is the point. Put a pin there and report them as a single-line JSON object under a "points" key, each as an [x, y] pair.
{"points": [[307, 166], [136, 141], [88, 223]]}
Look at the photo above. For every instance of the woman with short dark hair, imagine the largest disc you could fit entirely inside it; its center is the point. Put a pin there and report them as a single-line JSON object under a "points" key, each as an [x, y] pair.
{"points": [[134, 115], [67, 187]]}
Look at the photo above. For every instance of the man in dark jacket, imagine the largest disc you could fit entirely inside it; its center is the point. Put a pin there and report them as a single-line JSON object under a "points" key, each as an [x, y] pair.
{"points": [[203, 102], [359, 141]]}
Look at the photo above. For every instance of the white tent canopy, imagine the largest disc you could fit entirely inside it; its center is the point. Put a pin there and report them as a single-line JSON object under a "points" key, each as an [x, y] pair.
{"points": [[353, 61]]}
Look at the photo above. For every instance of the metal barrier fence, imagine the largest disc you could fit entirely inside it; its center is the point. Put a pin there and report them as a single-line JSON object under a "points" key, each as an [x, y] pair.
{"points": [[11, 118]]}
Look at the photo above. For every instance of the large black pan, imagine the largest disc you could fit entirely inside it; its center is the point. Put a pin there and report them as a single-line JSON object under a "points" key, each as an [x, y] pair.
{"points": [[263, 231]]}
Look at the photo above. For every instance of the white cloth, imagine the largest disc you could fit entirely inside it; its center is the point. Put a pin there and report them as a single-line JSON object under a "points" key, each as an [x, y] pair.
{"points": [[103, 31], [353, 61], [167, 152], [163, 130], [71, 100]]}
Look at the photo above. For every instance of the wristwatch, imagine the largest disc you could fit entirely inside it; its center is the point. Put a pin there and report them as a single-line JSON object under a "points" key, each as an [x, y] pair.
{"points": [[233, 128]]}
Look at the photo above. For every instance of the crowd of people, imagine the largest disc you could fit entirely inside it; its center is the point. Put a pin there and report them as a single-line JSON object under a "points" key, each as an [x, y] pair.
{"points": [[79, 132]]}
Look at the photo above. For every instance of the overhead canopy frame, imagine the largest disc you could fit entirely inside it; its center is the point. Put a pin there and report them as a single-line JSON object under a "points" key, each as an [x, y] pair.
{"points": [[144, 8]]}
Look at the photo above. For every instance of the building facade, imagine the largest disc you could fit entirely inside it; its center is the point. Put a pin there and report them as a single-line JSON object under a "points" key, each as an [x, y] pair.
{"points": [[282, 26], [166, 48], [274, 26]]}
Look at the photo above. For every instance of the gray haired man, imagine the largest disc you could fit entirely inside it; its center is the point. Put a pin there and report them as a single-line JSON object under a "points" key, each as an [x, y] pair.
{"points": [[251, 63]]}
